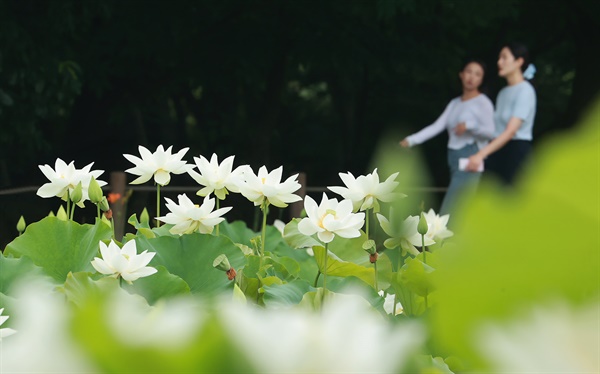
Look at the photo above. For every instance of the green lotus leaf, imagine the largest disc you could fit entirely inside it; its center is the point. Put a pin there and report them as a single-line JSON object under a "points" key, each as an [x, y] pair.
{"points": [[60, 247], [160, 285], [191, 256], [339, 268]]}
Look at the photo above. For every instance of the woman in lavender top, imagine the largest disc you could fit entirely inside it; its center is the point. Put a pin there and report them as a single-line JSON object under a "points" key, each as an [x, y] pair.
{"points": [[470, 124]]}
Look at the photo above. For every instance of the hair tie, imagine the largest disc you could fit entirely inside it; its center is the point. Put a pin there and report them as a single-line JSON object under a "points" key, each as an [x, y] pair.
{"points": [[529, 72]]}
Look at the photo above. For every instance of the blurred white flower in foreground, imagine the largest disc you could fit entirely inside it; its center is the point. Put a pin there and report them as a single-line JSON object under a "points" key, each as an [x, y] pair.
{"points": [[218, 178], [366, 191], [437, 230], [43, 343], [553, 339], [403, 235], [347, 336], [330, 218], [123, 262], [159, 165], [5, 331], [189, 217], [169, 324], [64, 178], [267, 186]]}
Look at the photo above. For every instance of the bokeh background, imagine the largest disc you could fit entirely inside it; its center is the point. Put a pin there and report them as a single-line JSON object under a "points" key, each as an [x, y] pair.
{"points": [[315, 86]]}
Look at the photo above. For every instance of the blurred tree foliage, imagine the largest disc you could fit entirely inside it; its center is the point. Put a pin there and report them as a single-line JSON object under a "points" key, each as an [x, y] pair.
{"points": [[309, 84]]}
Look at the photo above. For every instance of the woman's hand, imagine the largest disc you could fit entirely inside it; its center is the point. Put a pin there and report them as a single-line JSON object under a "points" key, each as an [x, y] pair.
{"points": [[475, 162], [404, 143], [460, 129]]}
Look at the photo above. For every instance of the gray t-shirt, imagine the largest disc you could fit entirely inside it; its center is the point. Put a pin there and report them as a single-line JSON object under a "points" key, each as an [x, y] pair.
{"points": [[516, 101]]}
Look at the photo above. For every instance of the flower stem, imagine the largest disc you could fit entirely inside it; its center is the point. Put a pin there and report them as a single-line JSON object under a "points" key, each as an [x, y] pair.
{"points": [[424, 249], [424, 261], [375, 266], [157, 204], [324, 276], [72, 211], [218, 205], [68, 203], [325, 268], [397, 272], [317, 278], [263, 235], [98, 208], [367, 223]]}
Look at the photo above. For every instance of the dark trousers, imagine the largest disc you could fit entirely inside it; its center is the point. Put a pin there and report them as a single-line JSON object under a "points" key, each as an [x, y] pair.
{"points": [[506, 163]]}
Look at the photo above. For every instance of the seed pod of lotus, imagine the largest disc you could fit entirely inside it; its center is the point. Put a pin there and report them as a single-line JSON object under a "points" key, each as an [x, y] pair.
{"points": [[222, 263], [104, 204]]}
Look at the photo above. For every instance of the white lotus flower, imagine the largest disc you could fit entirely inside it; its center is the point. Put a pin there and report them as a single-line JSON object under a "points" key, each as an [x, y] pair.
{"points": [[404, 235], [388, 303], [188, 217], [437, 226], [267, 186], [159, 165], [65, 177], [123, 262], [347, 336], [553, 338], [366, 191], [5, 331], [330, 218], [217, 178]]}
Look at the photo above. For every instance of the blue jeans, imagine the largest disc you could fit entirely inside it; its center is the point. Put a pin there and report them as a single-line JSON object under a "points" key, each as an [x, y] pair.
{"points": [[462, 183]]}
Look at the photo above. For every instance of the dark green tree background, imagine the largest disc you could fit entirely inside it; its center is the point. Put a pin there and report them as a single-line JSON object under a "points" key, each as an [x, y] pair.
{"points": [[311, 85]]}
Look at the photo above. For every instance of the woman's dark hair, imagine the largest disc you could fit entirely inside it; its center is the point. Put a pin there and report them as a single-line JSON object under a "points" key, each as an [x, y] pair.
{"points": [[519, 50], [477, 61], [483, 86]]}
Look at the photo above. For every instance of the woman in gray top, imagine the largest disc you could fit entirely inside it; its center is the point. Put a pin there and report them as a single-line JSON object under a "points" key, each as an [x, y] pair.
{"points": [[469, 120]]}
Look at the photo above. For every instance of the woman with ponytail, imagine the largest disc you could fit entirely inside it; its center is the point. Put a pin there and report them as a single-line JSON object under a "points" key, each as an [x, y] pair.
{"points": [[513, 117]]}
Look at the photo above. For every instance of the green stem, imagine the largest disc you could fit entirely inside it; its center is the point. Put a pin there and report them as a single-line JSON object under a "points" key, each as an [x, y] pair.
{"points": [[317, 279], [325, 276], [68, 203], [157, 204], [424, 249], [72, 211], [218, 205], [375, 266], [367, 223], [98, 208], [424, 261], [112, 226], [397, 272], [263, 234]]}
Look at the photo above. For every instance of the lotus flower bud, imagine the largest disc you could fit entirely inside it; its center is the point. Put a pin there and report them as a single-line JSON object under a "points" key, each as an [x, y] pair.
{"points": [[61, 214], [145, 217], [77, 193], [422, 227], [94, 191], [104, 204], [21, 225]]}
